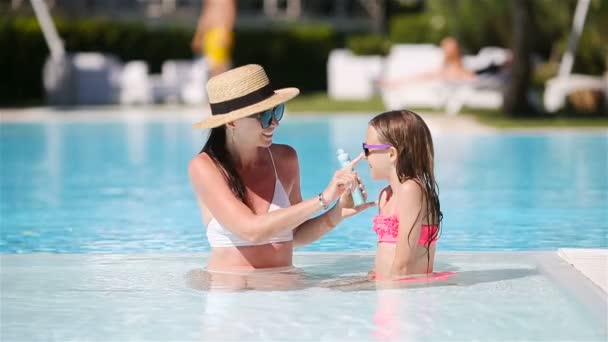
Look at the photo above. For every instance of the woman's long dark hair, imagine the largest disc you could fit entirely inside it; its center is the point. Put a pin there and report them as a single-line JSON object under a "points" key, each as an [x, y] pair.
{"points": [[215, 147], [407, 132]]}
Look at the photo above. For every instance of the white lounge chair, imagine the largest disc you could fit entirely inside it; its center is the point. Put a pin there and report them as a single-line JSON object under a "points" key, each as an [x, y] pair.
{"points": [[407, 60], [352, 77], [135, 84], [185, 81], [557, 89], [193, 91]]}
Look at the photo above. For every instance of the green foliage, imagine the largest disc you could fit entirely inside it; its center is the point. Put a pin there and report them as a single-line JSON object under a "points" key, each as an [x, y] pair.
{"points": [[417, 28], [369, 44], [293, 55], [22, 54], [554, 24], [296, 55], [475, 23]]}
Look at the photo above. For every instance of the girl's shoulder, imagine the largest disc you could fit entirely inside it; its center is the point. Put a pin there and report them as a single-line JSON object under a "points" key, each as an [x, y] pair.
{"points": [[385, 195], [410, 189]]}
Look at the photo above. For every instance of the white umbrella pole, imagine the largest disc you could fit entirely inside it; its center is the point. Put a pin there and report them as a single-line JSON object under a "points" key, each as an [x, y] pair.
{"points": [[48, 29], [582, 6]]}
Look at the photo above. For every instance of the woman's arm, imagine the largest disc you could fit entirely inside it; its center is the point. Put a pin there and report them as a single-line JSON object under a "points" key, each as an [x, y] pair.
{"points": [[211, 188], [314, 228], [410, 206]]}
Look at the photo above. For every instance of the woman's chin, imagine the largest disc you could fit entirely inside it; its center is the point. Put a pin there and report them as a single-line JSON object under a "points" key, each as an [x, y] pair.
{"points": [[266, 142]]}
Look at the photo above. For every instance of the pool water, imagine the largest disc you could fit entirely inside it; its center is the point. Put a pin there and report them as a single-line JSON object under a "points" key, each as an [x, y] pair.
{"points": [[100, 236], [121, 186], [532, 296]]}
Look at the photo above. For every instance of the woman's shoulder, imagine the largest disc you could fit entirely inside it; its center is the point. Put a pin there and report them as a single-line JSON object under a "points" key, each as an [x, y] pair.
{"points": [[201, 164], [284, 154], [283, 151], [286, 160]]}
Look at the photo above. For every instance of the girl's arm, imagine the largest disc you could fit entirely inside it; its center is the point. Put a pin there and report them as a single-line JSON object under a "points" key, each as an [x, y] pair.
{"points": [[410, 206], [383, 197]]}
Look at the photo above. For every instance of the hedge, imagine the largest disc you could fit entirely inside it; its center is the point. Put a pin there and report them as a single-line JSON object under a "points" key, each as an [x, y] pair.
{"points": [[293, 55]]}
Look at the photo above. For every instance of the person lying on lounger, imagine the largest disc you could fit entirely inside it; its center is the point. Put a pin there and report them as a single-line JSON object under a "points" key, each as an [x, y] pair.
{"points": [[452, 69]]}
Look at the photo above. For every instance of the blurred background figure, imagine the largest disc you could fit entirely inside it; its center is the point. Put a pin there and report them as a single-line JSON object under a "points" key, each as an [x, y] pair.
{"points": [[214, 34], [452, 68]]}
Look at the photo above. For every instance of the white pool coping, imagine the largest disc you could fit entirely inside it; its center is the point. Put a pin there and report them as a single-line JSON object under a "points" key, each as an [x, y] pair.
{"points": [[592, 263], [438, 123]]}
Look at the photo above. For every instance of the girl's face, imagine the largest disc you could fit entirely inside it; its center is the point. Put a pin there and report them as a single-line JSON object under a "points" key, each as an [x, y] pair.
{"points": [[379, 157], [249, 132]]}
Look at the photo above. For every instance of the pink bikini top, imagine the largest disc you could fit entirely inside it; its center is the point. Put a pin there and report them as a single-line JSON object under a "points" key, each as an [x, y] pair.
{"points": [[387, 228]]}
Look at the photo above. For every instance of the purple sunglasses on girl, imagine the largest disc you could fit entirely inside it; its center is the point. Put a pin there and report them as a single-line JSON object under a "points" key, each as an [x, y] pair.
{"points": [[373, 147]]}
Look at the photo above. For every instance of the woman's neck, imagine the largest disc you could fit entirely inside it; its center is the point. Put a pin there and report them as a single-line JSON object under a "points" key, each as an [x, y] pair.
{"points": [[244, 157]]}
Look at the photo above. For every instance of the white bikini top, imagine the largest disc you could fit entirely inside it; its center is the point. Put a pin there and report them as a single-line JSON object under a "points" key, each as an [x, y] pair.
{"points": [[219, 236]]}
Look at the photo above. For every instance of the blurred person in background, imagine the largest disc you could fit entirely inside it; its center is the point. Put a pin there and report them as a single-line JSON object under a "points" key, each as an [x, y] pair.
{"points": [[214, 34], [452, 69]]}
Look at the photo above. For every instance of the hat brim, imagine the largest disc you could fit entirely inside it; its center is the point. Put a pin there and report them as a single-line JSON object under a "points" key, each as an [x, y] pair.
{"points": [[280, 96]]}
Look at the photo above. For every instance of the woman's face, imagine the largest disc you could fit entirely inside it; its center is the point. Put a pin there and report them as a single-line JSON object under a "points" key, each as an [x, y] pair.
{"points": [[380, 163], [249, 131]]}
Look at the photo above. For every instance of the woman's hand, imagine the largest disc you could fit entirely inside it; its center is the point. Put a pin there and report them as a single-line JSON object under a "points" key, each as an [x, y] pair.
{"points": [[345, 206], [344, 181]]}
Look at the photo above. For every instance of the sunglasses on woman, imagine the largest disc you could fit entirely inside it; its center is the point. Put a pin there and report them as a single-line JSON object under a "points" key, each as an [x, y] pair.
{"points": [[266, 116], [374, 147]]}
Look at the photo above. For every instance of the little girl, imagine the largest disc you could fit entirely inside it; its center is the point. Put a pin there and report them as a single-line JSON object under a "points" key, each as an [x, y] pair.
{"points": [[399, 149]]}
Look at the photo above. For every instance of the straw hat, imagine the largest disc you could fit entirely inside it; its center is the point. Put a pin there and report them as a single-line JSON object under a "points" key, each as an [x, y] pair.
{"points": [[242, 92]]}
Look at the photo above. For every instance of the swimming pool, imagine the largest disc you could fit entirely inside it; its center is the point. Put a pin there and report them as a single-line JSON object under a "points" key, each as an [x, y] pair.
{"points": [[496, 296], [121, 186], [100, 229]]}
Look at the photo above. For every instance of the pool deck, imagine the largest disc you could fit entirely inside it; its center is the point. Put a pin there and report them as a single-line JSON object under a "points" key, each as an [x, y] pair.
{"points": [[101, 113], [438, 124], [592, 263], [442, 124]]}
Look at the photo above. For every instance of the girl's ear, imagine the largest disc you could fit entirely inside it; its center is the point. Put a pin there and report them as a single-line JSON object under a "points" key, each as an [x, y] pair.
{"points": [[392, 154], [231, 125]]}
